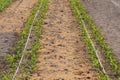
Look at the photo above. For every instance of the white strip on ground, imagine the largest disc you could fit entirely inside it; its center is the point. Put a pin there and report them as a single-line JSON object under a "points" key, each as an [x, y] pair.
{"points": [[95, 50], [26, 44], [115, 3]]}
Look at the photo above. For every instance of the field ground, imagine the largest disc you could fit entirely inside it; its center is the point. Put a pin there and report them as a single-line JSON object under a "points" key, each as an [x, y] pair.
{"points": [[65, 52]]}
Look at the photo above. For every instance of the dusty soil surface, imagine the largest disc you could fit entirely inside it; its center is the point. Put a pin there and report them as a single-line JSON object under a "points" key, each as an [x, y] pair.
{"points": [[12, 21], [106, 14], [62, 55]]}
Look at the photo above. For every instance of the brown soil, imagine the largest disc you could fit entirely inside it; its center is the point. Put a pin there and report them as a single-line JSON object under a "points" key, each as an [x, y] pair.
{"points": [[62, 55], [12, 21], [106, 15]]}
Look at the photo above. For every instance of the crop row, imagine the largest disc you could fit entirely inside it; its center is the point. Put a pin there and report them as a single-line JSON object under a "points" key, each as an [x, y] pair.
{"points": [[4, 4], [99, 39], [81, 15], [13, 59]]}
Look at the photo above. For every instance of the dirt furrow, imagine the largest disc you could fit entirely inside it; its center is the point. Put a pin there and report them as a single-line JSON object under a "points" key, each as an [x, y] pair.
{"points": [[62, 55], [12, 21]]}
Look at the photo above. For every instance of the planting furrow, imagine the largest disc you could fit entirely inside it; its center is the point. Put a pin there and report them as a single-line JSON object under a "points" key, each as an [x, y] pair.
{"points": [[61, 55], [90, 33], [27, 41], [89, 43], [106, 52], [22, 62]]}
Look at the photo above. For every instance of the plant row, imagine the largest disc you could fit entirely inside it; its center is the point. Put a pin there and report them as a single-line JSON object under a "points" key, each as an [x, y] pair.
{"points": [[75, 5], [29, 64], [99, 39]]}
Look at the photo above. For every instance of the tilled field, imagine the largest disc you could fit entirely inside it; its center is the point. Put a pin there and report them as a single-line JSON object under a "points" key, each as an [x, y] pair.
{"points": [[53, 40]]}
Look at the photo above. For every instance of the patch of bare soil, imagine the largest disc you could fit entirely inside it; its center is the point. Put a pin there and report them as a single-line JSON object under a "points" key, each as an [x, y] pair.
{"points": [[12, 21], [62, 55]]}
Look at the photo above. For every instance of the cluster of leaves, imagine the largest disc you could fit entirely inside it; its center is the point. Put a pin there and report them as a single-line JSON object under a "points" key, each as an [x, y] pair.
{"points": [[13, 59], [4, 3], [81, 15]]}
